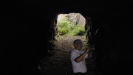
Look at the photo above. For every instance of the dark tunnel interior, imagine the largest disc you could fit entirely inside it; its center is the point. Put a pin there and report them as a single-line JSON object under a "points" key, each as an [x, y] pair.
{"points": [[28, 26]]}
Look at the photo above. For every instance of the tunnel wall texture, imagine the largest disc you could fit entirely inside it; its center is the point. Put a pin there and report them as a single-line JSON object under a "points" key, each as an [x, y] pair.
{"points": [[27, 31]]}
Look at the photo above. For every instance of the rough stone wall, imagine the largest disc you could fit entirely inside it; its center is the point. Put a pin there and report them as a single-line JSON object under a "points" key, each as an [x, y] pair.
{"points": [[75, 18]]}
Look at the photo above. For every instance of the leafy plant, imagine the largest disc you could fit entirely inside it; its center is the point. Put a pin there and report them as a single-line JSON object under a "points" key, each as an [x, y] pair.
{"points": [[65, 27]]}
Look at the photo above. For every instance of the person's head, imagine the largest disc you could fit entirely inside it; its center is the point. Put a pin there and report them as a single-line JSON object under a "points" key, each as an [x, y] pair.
{"points": [[78, 44]]}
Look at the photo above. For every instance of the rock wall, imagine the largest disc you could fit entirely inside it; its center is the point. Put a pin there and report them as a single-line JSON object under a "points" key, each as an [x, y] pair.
{"points": [[75, 18]]}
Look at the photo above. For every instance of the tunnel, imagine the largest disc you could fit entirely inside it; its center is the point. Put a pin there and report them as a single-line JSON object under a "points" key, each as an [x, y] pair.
{"points": [[26, 35]]}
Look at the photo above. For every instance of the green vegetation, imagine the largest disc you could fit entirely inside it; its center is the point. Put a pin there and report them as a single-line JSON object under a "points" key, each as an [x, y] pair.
{"points": [[65, 27]]}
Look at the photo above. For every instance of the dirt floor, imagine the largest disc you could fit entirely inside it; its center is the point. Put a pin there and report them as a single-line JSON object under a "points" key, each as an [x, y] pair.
{"points": [[58, 61]]}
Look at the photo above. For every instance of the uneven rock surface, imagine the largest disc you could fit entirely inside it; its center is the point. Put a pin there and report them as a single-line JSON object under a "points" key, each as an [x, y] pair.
{"points": [[59, 63], [58, 60], [66, 42], [75, 18]]}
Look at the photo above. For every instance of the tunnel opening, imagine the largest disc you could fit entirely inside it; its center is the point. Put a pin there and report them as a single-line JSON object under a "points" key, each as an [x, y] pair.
{"points": [[64, 29], [69, 27]]}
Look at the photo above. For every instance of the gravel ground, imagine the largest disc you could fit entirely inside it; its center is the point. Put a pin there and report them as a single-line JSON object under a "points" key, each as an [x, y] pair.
{"points": [[58, 62]]}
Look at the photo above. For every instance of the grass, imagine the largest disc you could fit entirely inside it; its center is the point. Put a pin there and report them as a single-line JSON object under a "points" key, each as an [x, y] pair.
{"points": [[65, 27]]}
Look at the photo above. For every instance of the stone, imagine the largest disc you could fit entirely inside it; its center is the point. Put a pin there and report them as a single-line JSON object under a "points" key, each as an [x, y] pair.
{"points": [[75, 18]]}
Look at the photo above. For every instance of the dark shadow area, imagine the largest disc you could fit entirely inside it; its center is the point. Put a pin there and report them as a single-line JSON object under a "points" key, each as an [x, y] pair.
{"points": [[27, 30]]}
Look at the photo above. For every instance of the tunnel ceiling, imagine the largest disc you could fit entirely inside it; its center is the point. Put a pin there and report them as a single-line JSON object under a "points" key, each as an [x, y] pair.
{"points": [[65, 6], [90, 7]]}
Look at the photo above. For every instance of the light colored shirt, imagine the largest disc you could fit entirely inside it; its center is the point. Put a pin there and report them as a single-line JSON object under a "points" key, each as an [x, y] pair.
{"points": [[80, 66]]}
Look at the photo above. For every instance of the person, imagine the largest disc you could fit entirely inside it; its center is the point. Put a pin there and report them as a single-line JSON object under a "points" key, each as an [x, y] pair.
{"points": [[78, 56]]}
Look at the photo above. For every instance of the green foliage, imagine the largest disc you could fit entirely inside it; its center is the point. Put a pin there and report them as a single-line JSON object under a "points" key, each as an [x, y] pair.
{"points": [[78, 30], [65, 27]]}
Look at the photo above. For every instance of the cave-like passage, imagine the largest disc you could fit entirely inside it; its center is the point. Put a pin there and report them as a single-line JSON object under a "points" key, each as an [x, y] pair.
{"points": [[68, 28]]}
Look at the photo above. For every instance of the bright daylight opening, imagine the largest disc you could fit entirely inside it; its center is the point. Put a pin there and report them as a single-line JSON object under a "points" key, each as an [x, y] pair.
{"points": [[70, 27]]}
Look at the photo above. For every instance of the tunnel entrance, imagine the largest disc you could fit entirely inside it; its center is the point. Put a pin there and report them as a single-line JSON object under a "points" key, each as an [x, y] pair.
{"points": [[68, 28]]}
